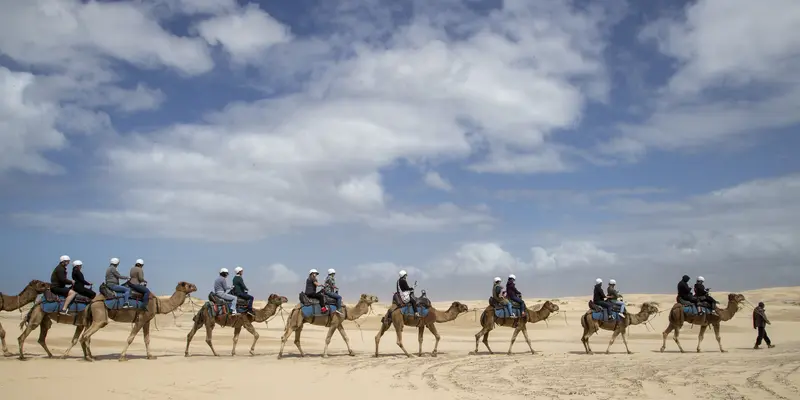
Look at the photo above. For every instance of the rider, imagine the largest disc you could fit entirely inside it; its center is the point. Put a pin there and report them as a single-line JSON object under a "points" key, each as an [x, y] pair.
{"points": [[112, 281], [499, 298], [331, 289], [59, 282], [599, 297], [79, 283], [240, 289], [614, 296], [311, 289], [702, 293], [685, 293], [406, 291], [221, 289], [137, 282], [514, 294]]}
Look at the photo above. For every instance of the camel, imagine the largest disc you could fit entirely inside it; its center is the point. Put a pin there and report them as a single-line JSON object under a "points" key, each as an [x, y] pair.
{"points": [[99, 315], [37, 317], [591, 326], [434, 316], [239, 321], [677, 317], [11, 303], [489, 319], [296, 321]]}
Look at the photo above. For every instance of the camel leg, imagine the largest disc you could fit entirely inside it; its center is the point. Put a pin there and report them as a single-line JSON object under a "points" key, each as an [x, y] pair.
{"points": [[249, 327], [421, 336], [664, 335], [701, 335], [340, 328], [136, 328], [625, 341], [381, 331], [398, 328], [236, 331], [297, 333], [432, 328], [527, 339], [209, 335], [585, 340], [191, 334], [146, 332], [478, 335], [675, 338], [716, 328], [513, 338], [86, 339], [328, 338], [32, 324], [288, 331], [78, 331], [3, 341]]}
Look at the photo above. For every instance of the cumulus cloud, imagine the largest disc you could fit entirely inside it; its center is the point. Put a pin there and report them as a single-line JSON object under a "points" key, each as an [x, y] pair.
{"points": [[434, 180], [246, 34], [281, 274]]}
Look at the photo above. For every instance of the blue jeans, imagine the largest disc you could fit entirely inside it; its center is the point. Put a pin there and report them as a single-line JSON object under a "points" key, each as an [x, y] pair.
{"points": [[522, 308], [621, 305], [509, 308], [126, 292], [143, 290], [337, 297], [246, 297], [228, 297]]}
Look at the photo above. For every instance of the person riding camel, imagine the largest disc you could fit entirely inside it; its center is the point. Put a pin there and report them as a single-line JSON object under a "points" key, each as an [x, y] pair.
{"points": [[240, 289], [59, 284], [685, 294], [137, 282], [407, 292], [498, 294], [79, 283], [614, 297], [112, 281], [515, 295], [222, 290], [599, 298], [311, 289], [331, 290], [702, 294]]}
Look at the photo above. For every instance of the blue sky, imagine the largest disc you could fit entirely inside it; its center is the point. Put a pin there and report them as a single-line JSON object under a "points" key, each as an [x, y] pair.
{"points": [[459, 140]]}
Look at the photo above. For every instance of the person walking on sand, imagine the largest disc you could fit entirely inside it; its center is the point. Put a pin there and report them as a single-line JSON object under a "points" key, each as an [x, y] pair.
{"points": [[760, 322]]}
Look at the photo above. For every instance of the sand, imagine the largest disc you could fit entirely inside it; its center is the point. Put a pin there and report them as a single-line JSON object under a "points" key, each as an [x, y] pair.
{"points": [[559, 370]]}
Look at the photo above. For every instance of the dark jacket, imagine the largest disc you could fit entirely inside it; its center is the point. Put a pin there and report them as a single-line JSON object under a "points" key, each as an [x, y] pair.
{"points": [[59, 277], [511, 289], [599, 295], [238, 286], [760, 319], [78, 279], [311, 288], [402, 283], [700, 289], [497, 291], [684, 291]]}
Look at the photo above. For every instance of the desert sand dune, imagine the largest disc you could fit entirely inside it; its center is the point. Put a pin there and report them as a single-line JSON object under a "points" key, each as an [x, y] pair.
{"points": [[559, 370]]}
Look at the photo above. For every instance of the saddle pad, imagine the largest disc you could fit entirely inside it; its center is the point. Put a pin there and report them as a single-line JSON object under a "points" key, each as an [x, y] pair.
{"points": [[117, 303], [315, 310], [52, 297], [136, 295], [56, 306], [598, 316], [408, 310], [503, 312], [689, 310]]}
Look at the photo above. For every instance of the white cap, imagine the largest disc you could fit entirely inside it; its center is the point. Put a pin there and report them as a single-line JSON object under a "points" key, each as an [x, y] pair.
{"points": [[497, 279], [223, 270], [140, 261], [512, 276], [313, 271], [77, 263], [598, 280], [701, 279], [331, 271], [402, 273], [114, 261], [64, 258], [238, 269], [612, 282]]}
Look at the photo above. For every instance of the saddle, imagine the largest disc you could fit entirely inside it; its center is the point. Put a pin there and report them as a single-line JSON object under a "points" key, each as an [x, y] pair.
{"points": [[51, 297], [106, 292], [307, 301], [595, 308]]}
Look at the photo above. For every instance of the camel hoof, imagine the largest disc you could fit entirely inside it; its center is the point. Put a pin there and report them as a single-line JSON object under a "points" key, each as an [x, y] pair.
{"points": [[233, 354], [434, 354], [252, 353], [351, 354], [324, 356], [662, 349], [279, 357], [121, 359], [630, 352], [23, 358], [87, 359], [186, 354], [152, 358], [723, 351], [591, 353], [7, 354]]}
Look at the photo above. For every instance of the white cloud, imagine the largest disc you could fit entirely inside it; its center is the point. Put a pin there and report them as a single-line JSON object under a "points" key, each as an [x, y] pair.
{"points": [[572, 254], [246, 34], [434, 180], [280, 274]]}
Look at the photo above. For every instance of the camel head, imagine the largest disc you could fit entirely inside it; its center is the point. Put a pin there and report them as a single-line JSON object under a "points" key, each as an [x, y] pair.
{"points": [[461, 308], [369, 299], [650, 307], [39, 286], [276, 299], [737, 298], [548, 305], [186, 287]]}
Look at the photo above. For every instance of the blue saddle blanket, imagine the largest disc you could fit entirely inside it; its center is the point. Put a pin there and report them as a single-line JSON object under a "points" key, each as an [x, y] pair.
{"points": [[315, 310], [117, 304], [408, 310], [599, 316], [692, 310], [56, 306], [503, 312]]}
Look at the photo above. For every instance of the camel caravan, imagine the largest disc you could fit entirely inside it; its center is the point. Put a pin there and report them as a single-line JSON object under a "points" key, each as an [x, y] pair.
{"points": [[73, 302]]}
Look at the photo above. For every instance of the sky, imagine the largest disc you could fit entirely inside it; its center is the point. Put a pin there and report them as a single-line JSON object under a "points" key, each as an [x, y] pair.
{"points": [[560, 141]]}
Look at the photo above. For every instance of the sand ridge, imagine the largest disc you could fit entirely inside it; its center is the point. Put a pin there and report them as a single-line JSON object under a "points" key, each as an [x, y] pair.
{"points": [[559, 370]]}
